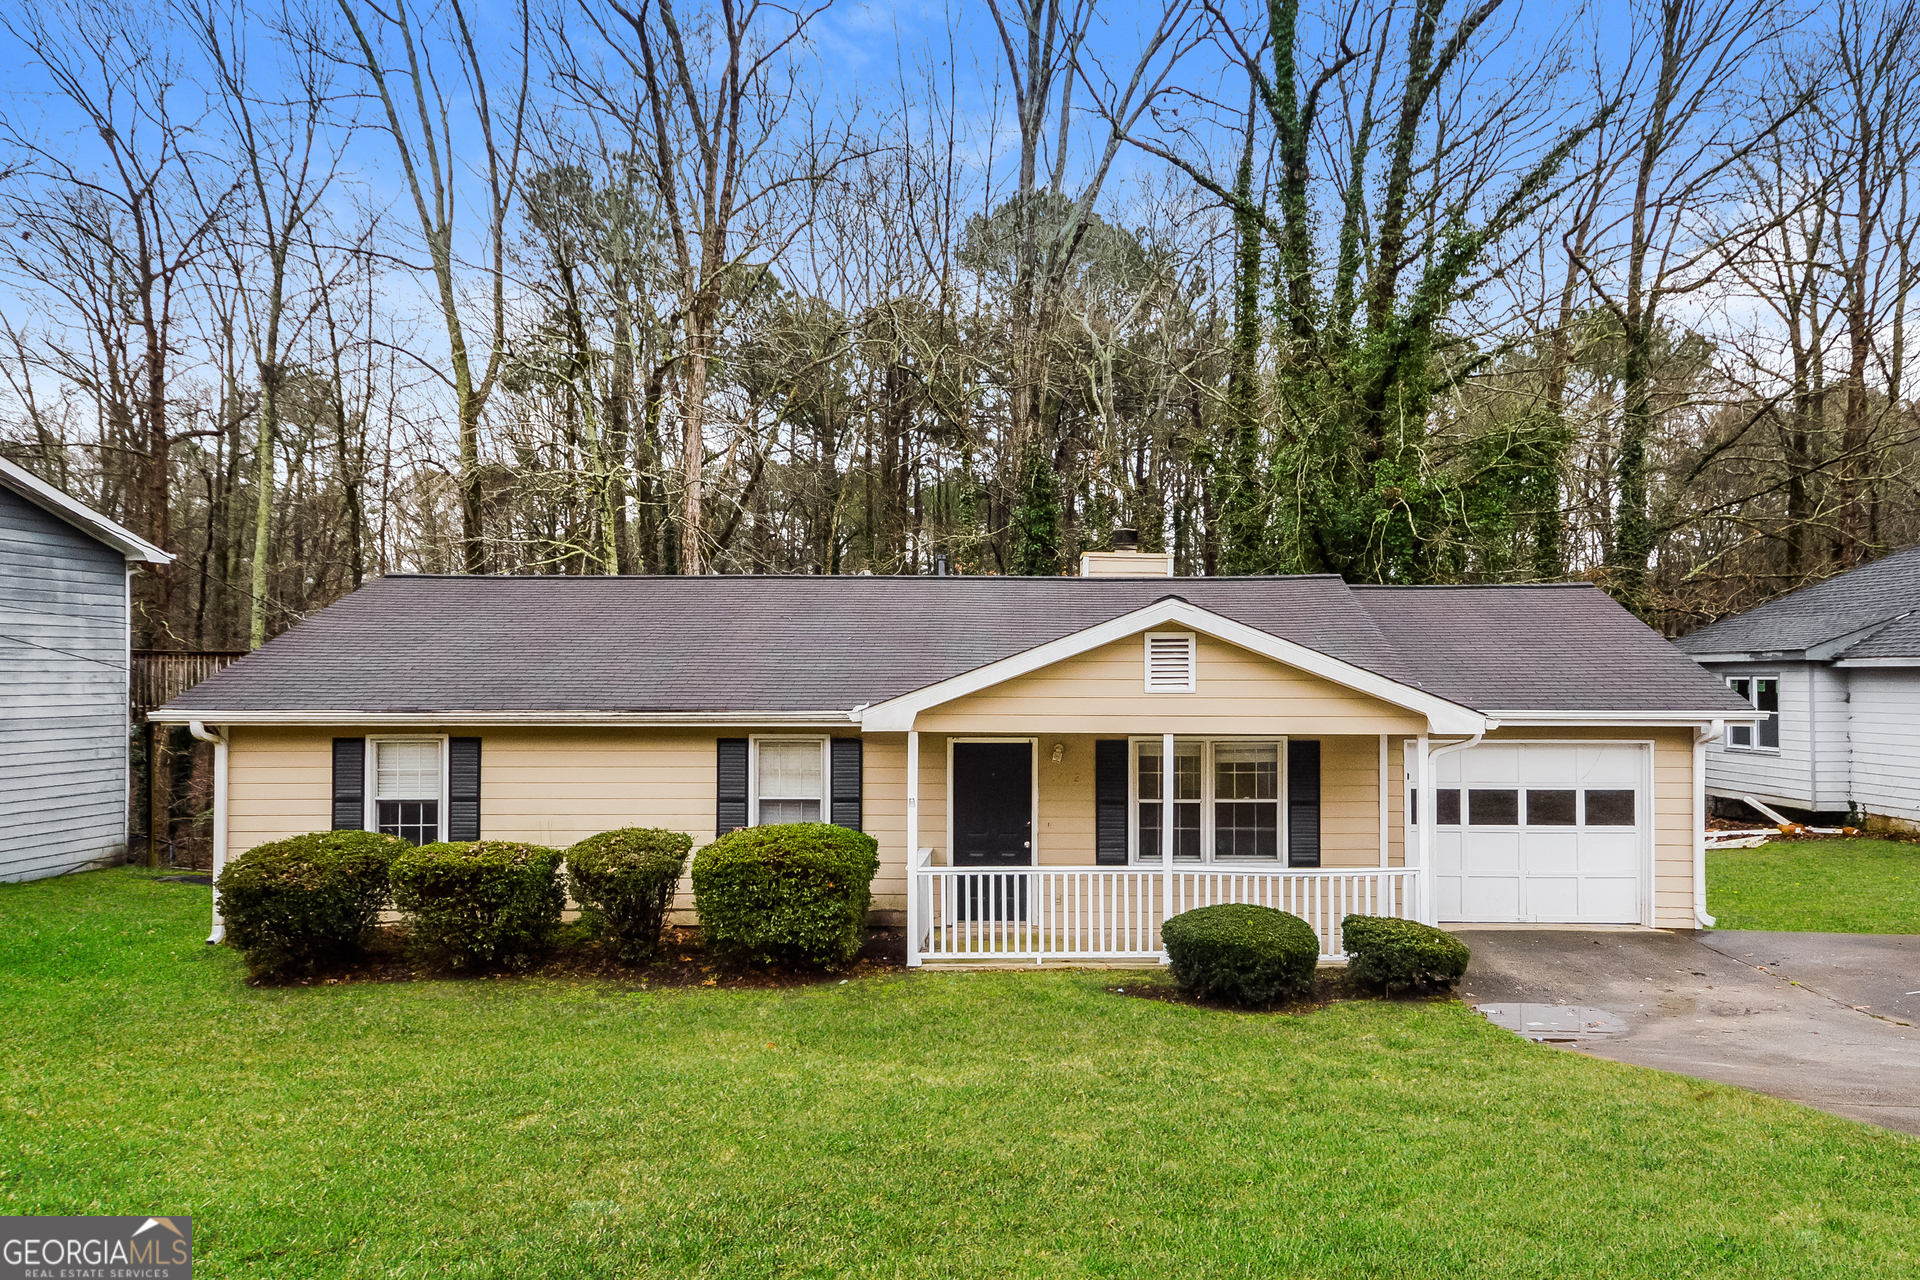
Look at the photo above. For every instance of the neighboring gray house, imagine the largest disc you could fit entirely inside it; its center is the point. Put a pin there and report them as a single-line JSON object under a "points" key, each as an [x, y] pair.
{"points": [[64, 654], [1835, 669]]}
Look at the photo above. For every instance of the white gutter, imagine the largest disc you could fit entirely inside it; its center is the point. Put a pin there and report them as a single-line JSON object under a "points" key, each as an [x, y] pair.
{"points": [[1614, 719], [219, 741], [569, 719], [1700, 740]]}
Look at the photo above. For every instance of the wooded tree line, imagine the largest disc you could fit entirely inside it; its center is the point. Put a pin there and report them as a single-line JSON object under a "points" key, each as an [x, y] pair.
{"points": [[308, 290]]}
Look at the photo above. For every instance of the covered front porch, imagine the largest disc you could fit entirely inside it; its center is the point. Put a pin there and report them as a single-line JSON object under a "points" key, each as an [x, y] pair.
{"points": [[1038, 848], [1061, 804]]}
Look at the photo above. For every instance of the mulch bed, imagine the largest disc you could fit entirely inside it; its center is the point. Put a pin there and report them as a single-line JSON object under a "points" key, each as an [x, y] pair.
{"points": [[682, 963]]}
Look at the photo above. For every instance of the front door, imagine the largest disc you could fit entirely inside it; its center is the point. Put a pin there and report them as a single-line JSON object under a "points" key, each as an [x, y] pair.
{"points": [[992, 804]]}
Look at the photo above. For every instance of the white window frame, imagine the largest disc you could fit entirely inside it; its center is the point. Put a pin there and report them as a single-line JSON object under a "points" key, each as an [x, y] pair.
{"points": [[1207, 745], [1193, 661], [370, 788], [1752, 695], [753, 773]]}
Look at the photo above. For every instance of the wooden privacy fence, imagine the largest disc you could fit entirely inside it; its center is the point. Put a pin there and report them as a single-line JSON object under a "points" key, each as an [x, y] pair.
{"points": [[1114, 913]]}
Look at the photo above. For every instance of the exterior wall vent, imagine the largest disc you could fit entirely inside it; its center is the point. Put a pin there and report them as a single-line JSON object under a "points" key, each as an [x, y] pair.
{"points": [[1170, 662]]}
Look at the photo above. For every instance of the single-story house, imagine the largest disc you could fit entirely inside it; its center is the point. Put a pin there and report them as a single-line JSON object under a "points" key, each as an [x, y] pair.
{"points": [[1833, 674], [65, 619], [1006, 740]]}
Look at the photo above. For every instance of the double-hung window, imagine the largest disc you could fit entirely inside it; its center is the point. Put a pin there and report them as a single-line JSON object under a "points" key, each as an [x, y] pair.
{"points": [[406, 788], [1763, 693], [790, 781], [1225, 797]]}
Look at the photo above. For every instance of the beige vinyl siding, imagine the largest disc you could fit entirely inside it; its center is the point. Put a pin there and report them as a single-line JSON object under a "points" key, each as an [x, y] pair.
{"points": [[1672, 803], [554, 787], [1102, 692], [1349, 802]]}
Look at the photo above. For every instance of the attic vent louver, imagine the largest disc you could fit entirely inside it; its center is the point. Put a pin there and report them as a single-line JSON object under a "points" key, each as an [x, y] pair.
{"points": [[1170, 662]]}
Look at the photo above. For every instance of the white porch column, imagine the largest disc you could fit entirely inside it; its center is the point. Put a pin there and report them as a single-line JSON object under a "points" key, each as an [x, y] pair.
{"points": [[219, 741], [1166, 836], [1385, 808], [913, 848], [1423, 788]]}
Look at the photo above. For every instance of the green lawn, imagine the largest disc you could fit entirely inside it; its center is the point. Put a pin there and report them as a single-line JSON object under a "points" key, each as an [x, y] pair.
{"points": [[1817, 886], [1003, 1124]]}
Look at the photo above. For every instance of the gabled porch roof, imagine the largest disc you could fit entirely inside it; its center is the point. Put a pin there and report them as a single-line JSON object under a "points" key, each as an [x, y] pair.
{"points": [[898, 714]]}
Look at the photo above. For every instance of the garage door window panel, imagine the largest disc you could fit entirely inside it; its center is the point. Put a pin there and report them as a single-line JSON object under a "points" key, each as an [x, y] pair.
{"points": [[1493, 807], [1552, 808], [1610, 808]]}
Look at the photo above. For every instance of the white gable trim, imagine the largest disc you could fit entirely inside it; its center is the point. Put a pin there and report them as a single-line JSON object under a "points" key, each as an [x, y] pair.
{"points": [[896, 715], [86, 519]]}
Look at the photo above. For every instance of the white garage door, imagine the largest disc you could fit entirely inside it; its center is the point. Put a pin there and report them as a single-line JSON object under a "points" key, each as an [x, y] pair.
{"points": [[1549, 832]]}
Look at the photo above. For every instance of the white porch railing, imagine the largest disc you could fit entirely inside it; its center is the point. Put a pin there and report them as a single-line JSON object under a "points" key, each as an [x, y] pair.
{"points": [[1114, 913]]}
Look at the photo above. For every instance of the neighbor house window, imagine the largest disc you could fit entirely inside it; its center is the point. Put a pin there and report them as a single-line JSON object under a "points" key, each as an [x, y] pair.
{"points": [[406, 788], [1763, 693], [790, 780], [1226, 800]]}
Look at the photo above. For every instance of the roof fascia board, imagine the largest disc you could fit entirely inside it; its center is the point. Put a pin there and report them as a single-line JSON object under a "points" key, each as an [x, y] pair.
{"points": [[1878, 662], [556, 719], [84, 518], [1617, 719], [897, 715]]}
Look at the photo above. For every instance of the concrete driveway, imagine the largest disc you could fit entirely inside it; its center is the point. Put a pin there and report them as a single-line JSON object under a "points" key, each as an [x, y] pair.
{"points": [[1827, 1019]]}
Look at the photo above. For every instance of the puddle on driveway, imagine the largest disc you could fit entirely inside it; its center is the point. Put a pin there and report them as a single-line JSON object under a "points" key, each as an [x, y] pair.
{"points": [[1554, 1023]]}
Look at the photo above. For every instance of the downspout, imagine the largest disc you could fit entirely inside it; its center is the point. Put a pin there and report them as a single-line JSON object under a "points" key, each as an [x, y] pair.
{"points": [[1430, 808], [219, 741], [1701, 737]]}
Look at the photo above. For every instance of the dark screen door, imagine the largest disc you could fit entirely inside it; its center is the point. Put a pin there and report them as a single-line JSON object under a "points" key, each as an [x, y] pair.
{"points": [[993, 804]]}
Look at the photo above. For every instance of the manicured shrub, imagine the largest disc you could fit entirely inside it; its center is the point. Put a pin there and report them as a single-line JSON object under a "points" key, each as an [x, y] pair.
{"points": [[1383, 951], [795, 892], [306, 900], [626, 878], [1242, 953], [479, 903]]}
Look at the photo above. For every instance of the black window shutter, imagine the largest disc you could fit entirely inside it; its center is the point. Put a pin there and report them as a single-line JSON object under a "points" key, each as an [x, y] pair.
{"points": [[463, 788], [731, 813], [1303, 803], [349, 784], [1110, 802], [845, 783]]}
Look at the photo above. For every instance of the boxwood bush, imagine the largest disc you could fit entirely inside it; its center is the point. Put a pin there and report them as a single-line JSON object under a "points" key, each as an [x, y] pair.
{"points": [[1383, 951], [480, 903], [307, 900], [795, 892], [1242, 953], [626, 879]]}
